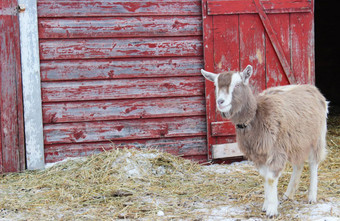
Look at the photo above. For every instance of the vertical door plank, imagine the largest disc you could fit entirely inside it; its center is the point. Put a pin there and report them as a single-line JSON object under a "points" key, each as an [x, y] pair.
{"points": [[226, 43], [275, 74], [208, 51], [31, 85], [252, 49], [226, 55], [302, 38]]}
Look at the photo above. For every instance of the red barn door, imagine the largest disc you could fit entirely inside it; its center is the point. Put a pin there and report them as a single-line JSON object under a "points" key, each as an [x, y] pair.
{"points": [[275, 36]]}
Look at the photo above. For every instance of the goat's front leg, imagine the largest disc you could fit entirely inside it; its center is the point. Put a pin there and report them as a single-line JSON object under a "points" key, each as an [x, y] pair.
{"points": [[271, 201], [270, 192]]}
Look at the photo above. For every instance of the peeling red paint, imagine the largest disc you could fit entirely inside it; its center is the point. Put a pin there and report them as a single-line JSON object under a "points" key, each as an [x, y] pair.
{"points": [[122, 72], [79, 134], [12, 155]]}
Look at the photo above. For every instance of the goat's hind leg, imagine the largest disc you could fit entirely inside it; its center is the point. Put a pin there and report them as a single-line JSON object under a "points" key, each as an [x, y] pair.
{"points": [[314, 159], [294, 182], [313, 186]]}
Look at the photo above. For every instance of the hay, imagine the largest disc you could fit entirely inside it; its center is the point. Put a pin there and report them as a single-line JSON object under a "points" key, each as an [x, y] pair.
{"points": [[149, 184]]}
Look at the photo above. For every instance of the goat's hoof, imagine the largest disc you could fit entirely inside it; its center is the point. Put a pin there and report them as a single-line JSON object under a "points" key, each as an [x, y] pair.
{"points": [[271, 217], [271, 211], [286, 198], [264, 207], [311, 199]]}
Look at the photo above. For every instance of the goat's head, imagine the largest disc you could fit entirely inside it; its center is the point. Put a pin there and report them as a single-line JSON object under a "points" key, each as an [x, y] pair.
{"points": [[229, 89]]}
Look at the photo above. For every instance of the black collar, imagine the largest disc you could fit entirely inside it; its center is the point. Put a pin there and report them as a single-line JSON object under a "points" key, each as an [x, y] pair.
{"points": [[241, 126]]}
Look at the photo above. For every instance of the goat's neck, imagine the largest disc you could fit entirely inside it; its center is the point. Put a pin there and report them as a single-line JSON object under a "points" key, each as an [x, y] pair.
{"points": [[247, 112]]}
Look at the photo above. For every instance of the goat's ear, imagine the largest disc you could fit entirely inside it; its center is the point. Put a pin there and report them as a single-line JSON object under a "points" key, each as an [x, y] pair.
{"points": [[246, 74], [208, 75]]}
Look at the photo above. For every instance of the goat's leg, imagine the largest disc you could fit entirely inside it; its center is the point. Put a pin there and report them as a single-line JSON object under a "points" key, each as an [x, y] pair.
{"points": [[272, 201], [313, 186], [294, 182], [270, 191]]}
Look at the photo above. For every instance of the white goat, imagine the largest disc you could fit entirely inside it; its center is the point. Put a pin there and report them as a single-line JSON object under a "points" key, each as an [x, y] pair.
{"points": [[282, 123]]}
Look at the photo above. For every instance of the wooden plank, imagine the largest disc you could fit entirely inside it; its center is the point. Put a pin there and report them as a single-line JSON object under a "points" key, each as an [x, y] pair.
{"points": [[120, 48], [275, 74], [275, 42], [226, 47], [302, 43], [124, 130], [123, 109], [208, 37], [87, 8], [120, 68], [11, 122], [102, 27], [226, 58], [224, 7], [226, 43], [181, 146], [122, 89], [227, 150], [31, 85], [222, 128], [252, 49]]}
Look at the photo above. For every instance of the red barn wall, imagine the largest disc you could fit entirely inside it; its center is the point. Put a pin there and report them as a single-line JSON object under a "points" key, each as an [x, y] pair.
{"points": [[122, 74]]}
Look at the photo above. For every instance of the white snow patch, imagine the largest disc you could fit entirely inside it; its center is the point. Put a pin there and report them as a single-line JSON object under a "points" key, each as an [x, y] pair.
{"points": [[49, 165], [325, 211], [226, 169]]}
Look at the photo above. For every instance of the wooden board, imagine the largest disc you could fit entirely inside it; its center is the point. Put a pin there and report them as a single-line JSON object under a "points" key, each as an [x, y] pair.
{"points": [[227, 150], [30, 65], [122, 89], [302, 47], [252, 49], [101, 8], [78, 111], [274, 72], [120, 48], [98, 27], [12, 157], [222, 128], [222, 7], [194, 147], [124, 129], [120, 68]]}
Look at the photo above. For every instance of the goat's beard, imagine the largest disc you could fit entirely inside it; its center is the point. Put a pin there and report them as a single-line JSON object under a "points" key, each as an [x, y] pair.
{"points": [[225, 115]]}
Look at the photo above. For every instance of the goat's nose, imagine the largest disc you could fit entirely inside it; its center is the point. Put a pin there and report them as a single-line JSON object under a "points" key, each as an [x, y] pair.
{"points": [[220, 101]]}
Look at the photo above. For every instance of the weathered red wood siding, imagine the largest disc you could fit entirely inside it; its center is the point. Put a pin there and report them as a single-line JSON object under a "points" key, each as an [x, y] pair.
{"points": [[12, 156], [122, 73]]}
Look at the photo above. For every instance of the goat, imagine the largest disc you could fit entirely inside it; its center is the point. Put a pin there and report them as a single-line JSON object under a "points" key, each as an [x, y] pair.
{"points": [[285, 123]]}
